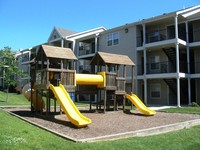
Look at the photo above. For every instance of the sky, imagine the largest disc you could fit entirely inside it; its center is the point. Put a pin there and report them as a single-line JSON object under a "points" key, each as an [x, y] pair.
{"points": [[27, 23]]}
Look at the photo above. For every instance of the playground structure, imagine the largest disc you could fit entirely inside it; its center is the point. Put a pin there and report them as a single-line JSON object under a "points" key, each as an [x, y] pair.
{"points": [[53, 74]]}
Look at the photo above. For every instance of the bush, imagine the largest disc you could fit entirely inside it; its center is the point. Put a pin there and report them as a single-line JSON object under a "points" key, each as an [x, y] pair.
{"points": [[194, 104]]}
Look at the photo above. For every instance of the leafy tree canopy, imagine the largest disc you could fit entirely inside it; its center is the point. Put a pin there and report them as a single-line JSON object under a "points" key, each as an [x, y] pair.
{"points": [[9, 67]]}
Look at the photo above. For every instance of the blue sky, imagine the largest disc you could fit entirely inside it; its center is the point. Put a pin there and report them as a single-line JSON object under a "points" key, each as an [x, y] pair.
{"points": [[26, 23]]}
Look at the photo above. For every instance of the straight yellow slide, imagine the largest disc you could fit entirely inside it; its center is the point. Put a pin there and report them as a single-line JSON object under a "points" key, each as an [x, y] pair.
{"points": [[140, 105], [69, 107]]}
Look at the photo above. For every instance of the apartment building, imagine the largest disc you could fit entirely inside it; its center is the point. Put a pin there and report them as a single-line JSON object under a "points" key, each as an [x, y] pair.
{"points": [[165, 49], [167, 57], [23, 58], [84, 44]]}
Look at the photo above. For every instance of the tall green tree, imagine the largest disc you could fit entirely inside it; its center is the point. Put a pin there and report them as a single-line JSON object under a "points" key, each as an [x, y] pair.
{"points": [[9, 67]]}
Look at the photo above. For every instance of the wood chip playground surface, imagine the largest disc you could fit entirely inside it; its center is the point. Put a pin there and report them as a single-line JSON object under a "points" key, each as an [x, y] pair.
{"points": [[108, 126]]}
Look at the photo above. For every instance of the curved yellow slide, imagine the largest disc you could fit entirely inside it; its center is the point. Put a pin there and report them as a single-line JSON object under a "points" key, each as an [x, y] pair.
{"points": [[37, 104], [140, 105], [69, 107]]}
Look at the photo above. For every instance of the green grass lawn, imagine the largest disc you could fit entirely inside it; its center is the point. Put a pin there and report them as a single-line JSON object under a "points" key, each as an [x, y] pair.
{"points": [[17, 134], [188, 110], [19, 99], [13, 99]]}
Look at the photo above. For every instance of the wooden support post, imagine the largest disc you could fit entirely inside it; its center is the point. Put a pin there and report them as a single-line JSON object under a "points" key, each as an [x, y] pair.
{"points": [[124, 72], [97, 100], [117, 71], [132, 84], [54, 105], [36, 109], [47, 101], [100, 99], [49, 104], [105, 99], [125, 78], [106, 68], [115, 102], [124, 102], [90, 105], [60, 110]]}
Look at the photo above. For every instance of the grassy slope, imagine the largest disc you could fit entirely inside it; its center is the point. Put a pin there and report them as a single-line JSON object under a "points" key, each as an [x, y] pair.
{"points": [[17, 134], [19, 99], [13, 99]]}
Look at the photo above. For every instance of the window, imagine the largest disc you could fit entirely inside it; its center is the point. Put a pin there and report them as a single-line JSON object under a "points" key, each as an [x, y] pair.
{"points": [[155, 63], [155, 89], [113, 39], [109, 40]]}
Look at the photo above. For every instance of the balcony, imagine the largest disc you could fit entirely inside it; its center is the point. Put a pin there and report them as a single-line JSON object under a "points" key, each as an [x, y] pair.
{"points": [[85, 50], [156, 36], [162, 67], [160, 35]]}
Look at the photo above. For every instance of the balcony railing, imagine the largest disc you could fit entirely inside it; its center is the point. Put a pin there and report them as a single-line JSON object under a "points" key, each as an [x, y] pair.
{"points": [[85, 51], [155, 36], [159, 35], [161, 67]]}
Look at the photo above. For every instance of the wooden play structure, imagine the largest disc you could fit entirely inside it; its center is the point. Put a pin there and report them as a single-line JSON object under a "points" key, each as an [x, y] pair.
{"points": [[53, 75], [114, 66], [53, 65]]}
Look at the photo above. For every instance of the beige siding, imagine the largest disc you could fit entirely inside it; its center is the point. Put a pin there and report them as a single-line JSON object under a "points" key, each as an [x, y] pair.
{"points": [[126, 46], [54, 36], [163, 100], [160, 53]]}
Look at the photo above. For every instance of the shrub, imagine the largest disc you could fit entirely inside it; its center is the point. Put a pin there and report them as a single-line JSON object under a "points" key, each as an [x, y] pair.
{"points": [[194, 104]]}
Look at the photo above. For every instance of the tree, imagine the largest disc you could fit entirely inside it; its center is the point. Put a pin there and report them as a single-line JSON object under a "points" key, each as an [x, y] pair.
{"points": [[9, 67]]}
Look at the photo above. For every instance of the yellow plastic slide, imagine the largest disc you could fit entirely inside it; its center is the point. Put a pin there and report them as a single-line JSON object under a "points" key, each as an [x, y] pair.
{"points": [[69, 107], [140, 105]]}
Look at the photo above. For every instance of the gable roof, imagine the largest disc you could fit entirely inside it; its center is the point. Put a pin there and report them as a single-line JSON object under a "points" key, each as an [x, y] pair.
{"points": [[63, 32], [58, 52], [102, 58]]}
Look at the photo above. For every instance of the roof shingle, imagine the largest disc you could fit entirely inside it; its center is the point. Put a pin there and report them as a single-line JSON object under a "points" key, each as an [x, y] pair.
{"points": [[102, 58]]}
